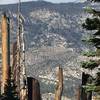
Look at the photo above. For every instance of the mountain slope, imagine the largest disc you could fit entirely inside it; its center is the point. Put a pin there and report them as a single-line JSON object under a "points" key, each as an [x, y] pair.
{"points": [[53, 35]]}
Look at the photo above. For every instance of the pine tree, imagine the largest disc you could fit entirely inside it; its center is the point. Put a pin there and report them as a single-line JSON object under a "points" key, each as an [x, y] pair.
{"points": [[93, 24]]}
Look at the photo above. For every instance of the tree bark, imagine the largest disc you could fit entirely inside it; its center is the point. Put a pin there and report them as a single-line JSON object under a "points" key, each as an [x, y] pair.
{"points": [[33, 89], [59, 87]]}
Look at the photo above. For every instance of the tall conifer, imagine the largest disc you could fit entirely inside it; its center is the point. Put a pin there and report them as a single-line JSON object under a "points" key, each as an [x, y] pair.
{"points": [[93, 25]]}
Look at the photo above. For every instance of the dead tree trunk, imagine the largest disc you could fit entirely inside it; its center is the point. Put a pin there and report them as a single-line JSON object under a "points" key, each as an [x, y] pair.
{"points": [[89, 96], [5, 51], [23, 94], [33, 89], [78, 93], [84, 95], [59, 87], [84, 81]]}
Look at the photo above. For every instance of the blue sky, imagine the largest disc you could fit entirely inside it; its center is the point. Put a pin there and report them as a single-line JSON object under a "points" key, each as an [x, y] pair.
{"points": [[15, 1]]}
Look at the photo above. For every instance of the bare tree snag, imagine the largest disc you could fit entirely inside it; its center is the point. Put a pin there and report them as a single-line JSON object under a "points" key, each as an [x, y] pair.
{"points": [[59, 87], [14, 64], [15, 67], [5, 50], [23, 94], [33, 89]]}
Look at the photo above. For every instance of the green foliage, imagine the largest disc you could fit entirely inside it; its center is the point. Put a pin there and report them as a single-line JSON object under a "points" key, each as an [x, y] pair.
{"points": [[89, 53], [89, 64], [97, 80], [95, 41], [86, 39], [95, 0], [92, 11], [91, 24], [89, 9], [89, 87], [97, 33]]}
